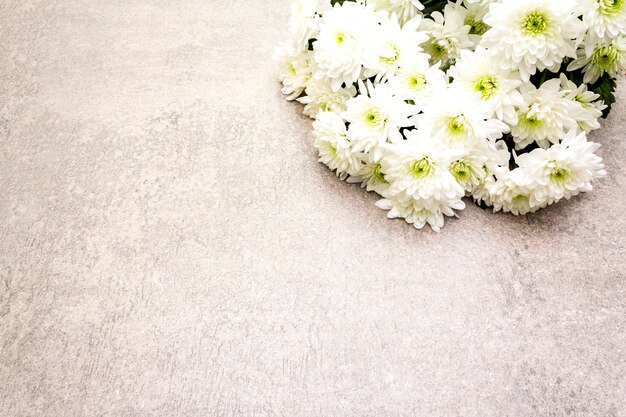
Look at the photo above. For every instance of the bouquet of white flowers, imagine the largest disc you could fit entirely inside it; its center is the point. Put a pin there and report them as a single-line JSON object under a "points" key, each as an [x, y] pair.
{"points": [[427, 102]]}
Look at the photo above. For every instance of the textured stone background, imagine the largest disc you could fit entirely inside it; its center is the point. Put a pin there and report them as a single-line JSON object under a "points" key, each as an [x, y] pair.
{"points": [[169, 245]]}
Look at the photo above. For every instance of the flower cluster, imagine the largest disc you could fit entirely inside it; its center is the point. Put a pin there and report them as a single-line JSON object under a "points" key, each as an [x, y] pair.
{"points": [[428, 102]]}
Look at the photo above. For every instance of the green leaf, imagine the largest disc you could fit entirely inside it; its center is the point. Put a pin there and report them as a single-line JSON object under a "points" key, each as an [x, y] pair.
{"points": [[433, 6], [605, 87]]}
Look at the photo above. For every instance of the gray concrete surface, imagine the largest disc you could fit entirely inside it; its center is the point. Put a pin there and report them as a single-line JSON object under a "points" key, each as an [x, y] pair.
{"points": [[169, 245]]}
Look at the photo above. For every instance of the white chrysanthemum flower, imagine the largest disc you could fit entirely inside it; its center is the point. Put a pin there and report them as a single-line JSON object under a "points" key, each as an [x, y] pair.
{"points": [[478, 163], [590, 107], [448, 33], [370, 176], [532, 35], [459, 120], [319, 96], [294, 69], [376, 116], [475, 73], [606, 58], [468, 171], [304, 21], [419, 167], [606, 20], [335, 149], [405, 10], [418, 81], [562, 171], [510, 195], [396, 46], [344, 42], [421, 188], [546, 116], [419, 212]]}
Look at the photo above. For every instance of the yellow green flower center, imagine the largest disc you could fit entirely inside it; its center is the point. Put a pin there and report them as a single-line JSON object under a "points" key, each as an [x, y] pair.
{"points": [[417, 82], [535, 23], [422, 168], [461, 170], [477, 27], [486, 86], [340, 37], [393, 58], [373, 117], [559, 174], [456, 124], [437, 50], [377, 175], [520, 200], [532, 121], [332, 150], [610, 7], [605, 56]]}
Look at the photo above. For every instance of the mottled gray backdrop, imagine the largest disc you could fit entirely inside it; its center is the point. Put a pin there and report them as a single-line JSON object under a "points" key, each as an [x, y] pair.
{"points": [[169, 245]]}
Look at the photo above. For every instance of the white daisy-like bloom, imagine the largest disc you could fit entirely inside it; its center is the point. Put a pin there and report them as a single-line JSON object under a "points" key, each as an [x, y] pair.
{"points": [[319, 96], [343, 45], [395, 46], [562, 171], [468, 171], [418, 81], [448, 33], [294, 68], [370, 176], [606, 20], [304, 21], [419, 212], [333, 145], [419, 167], [474, 73], [478, 163], [376, 116], [405, 10], [590, 107], [459, 120], [533, 35], [510, 194], [546, 115], [421, 188], [606, 58]]}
